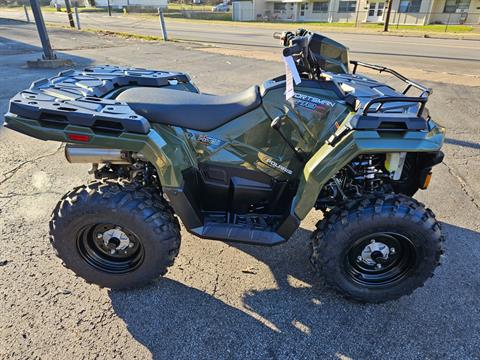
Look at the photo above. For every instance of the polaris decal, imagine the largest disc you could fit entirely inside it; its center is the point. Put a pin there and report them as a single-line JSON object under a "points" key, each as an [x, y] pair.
{"points": [[206, 139], [277, 166], [312, 103]]}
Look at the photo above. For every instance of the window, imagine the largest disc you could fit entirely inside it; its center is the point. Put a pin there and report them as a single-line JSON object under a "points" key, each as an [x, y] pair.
{"points": [[279, 8], [452, 6], [409, 6], [347, 6], [320, 7]]}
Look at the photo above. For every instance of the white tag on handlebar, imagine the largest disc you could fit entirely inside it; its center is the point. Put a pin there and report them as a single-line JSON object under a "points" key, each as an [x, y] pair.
{"points": [[291, 75]]}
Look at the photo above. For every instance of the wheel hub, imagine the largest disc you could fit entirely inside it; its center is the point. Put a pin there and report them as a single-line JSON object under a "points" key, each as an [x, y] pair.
{"points": [[380, 258], [115, 239], [375, 253], [110, 248]]}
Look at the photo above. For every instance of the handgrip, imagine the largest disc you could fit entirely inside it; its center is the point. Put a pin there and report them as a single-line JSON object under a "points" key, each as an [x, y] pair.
{"points": [[292, 50]]}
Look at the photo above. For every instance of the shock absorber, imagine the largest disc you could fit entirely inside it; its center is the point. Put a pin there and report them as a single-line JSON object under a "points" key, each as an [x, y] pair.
{"points": [[370, 173]]}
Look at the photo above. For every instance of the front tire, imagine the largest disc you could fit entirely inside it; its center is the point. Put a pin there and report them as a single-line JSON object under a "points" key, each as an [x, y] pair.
{"points": [[115, 234], [378, 248]]}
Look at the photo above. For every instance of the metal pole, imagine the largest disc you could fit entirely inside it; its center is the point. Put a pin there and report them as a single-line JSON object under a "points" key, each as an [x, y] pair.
{"points": [[448, 22], [48, 53], [387, 19], [68, 7], [77, 16], [26, 13], [358, 10], [162, 24], [109, 8]]}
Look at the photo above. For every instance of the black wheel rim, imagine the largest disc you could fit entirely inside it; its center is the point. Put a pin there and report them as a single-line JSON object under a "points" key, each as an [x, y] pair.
{"points": [[379, 269], [109, 253]]}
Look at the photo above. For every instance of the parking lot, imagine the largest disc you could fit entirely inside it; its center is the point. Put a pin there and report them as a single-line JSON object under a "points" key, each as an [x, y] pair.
{"points": [[228, 301]]}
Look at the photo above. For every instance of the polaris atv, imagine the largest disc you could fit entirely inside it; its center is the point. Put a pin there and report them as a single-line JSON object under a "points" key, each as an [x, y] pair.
{"points": [[245, 168]]}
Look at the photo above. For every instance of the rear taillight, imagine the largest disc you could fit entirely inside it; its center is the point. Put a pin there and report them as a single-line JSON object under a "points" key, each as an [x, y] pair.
{"points": [[79, 137]]}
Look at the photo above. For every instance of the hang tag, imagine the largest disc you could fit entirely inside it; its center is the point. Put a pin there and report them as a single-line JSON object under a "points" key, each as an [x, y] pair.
{"points": [[291, 76]]}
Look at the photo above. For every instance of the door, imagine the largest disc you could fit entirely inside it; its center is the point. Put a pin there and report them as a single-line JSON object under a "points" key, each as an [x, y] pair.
{"points": [[302, 11], [375, 11]]}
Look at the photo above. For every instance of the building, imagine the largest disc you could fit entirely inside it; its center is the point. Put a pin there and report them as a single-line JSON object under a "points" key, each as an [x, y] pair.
{"points": [[410, 12], [118, 4]]}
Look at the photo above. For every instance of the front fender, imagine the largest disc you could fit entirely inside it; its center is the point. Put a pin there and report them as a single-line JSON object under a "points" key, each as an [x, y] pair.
{"points": [[328, 160]]}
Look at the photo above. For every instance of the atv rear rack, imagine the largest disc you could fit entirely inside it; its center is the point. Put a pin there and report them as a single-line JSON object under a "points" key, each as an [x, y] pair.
{"points": [[85, 98]]}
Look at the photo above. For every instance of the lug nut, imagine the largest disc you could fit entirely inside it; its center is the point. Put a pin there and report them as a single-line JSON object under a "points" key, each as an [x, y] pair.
{"points": [[392, 250], [372, 241], [130, 245], [379, 266], [112, 251], [359, 259], [99, 235]]}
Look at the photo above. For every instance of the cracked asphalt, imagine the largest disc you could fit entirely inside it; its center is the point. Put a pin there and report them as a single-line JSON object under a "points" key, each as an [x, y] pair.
{"points": [[222, 301]]}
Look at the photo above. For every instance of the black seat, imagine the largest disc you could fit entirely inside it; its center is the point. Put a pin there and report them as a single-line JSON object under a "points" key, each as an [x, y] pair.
{"points": [[189, 110]]}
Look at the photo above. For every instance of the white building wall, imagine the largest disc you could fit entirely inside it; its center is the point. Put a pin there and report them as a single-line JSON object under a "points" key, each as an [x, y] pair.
{"points": [[438, 16], [265, 10], [243, 11]]}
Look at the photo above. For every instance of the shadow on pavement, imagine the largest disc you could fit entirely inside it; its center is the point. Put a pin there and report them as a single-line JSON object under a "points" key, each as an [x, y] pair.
{"points": [[24, 51], [463, 143], [303, 319], [15, 76]]}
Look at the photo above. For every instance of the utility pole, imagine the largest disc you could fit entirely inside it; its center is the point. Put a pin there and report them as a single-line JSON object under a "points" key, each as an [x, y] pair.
{"points": [[48, 53], [387, 18], [68, 7], [109, 8]]}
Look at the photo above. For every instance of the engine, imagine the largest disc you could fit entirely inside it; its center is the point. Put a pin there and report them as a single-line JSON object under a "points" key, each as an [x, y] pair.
{"points": [[366, 174]]}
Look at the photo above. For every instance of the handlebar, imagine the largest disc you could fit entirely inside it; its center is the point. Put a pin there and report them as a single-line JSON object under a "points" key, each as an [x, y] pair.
{"points": [[292, 50]]}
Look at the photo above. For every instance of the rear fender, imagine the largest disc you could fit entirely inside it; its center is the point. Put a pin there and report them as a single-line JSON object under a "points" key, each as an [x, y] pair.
{"points": [[328, 160], [164, 147]]}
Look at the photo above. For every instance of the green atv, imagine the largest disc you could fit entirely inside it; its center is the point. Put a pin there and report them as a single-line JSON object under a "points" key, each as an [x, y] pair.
{"points": [[245, 168]]}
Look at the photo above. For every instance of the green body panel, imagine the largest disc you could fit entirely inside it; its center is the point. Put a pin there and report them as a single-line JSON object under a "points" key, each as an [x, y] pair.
{"points": [[328, 160], [250, 142], [165, 147]]}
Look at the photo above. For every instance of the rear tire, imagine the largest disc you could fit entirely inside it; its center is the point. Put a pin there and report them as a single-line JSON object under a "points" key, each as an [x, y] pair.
{"points": [[378, 248], [115, 234]]}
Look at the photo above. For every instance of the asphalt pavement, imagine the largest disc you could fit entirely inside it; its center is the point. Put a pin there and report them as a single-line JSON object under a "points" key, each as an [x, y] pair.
{"points": [[465, 54], [226, 301]]}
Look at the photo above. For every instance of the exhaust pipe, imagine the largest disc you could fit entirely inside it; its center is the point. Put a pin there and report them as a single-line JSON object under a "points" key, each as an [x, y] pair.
{"points": [[87, 155]]}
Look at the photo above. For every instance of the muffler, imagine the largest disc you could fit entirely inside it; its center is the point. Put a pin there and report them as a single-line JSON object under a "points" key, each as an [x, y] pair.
{"points": [[88, 155]]}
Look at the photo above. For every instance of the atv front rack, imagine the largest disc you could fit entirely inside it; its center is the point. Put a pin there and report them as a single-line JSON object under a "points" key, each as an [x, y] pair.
{"points": [[380, 101], [85, 98], [425, 90]]}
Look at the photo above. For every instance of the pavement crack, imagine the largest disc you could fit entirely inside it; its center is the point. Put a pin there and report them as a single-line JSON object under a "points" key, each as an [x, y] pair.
{"points": [[10, 173], [464, 186], [13, 195], [215, 285]]}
